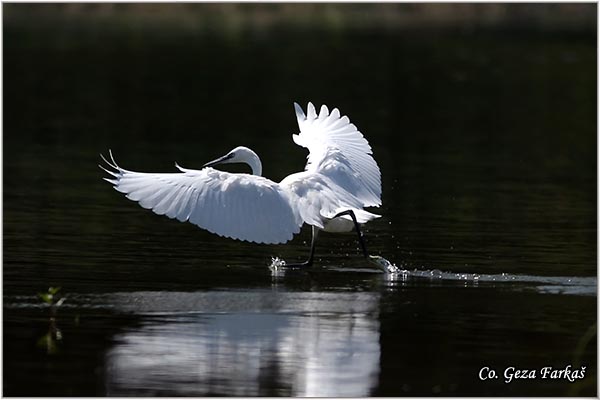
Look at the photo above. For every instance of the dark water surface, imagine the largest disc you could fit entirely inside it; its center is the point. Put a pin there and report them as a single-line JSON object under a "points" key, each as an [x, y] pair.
{"points": [[486, 139]]}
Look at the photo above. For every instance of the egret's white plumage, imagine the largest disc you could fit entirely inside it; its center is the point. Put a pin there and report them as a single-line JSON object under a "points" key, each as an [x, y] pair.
{"points": [[339, 151], [341, 176]]}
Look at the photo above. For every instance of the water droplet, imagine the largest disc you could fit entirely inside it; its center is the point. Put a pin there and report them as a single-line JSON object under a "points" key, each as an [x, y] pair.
{"points": [[277, 262], [435, 273]]}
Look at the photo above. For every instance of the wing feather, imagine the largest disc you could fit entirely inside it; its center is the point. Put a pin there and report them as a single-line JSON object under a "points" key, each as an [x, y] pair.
{"points": [[182, 212], [191, 206], [167, 201], [338, 150], [239, 206]]}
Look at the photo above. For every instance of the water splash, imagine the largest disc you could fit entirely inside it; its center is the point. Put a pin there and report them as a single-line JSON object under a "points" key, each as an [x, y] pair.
{"points": [[384, 265], [276, 263], [277, 268], [586, 286]]}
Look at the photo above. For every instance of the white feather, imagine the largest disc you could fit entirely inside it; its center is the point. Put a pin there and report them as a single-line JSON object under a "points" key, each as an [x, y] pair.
{"points": [[338, 150], [220, 202], [340, 175]]}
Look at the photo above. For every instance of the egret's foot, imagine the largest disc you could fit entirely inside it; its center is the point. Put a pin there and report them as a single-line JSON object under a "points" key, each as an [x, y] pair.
{"points": [[383, 264], [278, 263], [307, 263]]}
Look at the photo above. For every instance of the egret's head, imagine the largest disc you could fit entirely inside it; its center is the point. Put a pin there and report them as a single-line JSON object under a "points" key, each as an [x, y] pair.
{"points": [[240, 154]]}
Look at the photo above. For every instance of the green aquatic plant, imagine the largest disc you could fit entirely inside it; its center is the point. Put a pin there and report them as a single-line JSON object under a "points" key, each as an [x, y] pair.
{"points": [[50, 340], [50, 297]]}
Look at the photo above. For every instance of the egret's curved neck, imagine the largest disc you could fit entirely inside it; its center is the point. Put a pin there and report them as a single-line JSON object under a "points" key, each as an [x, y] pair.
{"points": [[254, 162]]}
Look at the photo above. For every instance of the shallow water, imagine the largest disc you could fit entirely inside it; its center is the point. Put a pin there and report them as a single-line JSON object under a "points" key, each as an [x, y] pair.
{"points": [[487, 144]]}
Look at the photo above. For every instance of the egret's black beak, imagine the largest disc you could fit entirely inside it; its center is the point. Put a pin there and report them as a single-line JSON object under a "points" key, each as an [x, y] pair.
{"points": [[218, 160]]}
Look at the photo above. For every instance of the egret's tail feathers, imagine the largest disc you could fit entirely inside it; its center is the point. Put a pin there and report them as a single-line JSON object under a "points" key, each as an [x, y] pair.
{"points": [[362, 216]]}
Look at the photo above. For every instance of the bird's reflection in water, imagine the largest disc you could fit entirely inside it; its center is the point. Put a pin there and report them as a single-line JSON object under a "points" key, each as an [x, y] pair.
{"points": [[255, 344]]}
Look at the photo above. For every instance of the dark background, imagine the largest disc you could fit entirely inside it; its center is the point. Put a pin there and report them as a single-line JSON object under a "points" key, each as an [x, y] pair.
{"points": [[482, 118]]}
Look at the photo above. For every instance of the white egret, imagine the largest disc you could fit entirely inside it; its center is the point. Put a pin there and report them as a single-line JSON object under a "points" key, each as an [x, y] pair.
{"points": [[340, 178]]}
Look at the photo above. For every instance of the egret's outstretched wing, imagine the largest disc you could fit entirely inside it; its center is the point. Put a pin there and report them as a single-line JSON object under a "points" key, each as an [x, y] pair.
{"points": [[339, 151], [238, 206]]}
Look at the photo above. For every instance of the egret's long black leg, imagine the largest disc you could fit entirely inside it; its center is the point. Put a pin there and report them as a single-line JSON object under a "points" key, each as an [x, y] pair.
{"points": [[309, 262], [315, 233], [361, 239]]}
